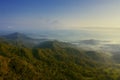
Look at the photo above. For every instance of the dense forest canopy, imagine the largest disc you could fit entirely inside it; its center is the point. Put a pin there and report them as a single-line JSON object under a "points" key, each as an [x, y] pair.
{"points": [[53, 60]]}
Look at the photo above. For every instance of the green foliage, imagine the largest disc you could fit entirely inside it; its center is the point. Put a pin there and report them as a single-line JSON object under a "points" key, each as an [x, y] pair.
{"points": [[53, 61]]}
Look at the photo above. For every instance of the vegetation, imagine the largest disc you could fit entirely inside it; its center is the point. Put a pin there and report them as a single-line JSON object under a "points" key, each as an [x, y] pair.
{"points": [[53, 60]]}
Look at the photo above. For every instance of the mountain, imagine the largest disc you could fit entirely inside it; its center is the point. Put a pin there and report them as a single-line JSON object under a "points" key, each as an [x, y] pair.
{"points": [[16, 36], [54, 44], [22, 40], [88, 42], [54, 60]]}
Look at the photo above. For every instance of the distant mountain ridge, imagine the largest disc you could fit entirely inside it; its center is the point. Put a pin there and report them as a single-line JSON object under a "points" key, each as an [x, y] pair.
{"points": [[20, 38], [16, 35]]}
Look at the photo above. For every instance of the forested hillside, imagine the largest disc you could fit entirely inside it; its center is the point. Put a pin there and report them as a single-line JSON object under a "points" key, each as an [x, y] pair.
{"points": [[54, 60]]}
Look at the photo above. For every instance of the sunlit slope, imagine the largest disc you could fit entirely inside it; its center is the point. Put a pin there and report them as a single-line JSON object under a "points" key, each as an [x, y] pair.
{"points": [[51, 62]]}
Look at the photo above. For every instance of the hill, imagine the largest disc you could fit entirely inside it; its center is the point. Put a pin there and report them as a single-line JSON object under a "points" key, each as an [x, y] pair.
{"points": [[16, 36], [22, 40], [54, 60]]}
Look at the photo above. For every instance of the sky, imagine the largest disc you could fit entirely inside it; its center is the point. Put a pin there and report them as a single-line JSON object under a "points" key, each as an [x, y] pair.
{"points": [[59, 14]]}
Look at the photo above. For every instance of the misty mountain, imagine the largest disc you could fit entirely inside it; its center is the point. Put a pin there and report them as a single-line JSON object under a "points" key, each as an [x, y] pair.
{"points": [[16, 36], [20, 38], [53, 60], [54, 44], [90, 42]]}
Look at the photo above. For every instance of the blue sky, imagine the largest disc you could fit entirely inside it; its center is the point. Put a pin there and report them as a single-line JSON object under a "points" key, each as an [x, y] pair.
{"points": [[58, 14]]}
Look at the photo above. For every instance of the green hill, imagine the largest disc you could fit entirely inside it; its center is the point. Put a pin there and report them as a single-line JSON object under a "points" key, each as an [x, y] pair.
{"points": [[54, 60]]}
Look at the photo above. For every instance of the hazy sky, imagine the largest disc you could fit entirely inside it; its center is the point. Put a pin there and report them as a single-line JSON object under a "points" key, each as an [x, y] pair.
{"points": [[58, 14]]}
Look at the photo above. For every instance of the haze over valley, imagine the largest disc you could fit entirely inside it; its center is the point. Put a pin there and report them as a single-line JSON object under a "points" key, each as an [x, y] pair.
{"points": [[59, 39]]}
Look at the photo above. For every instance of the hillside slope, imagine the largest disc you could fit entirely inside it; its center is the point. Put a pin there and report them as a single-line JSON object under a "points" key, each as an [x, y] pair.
{"points": [[53, 60]]}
